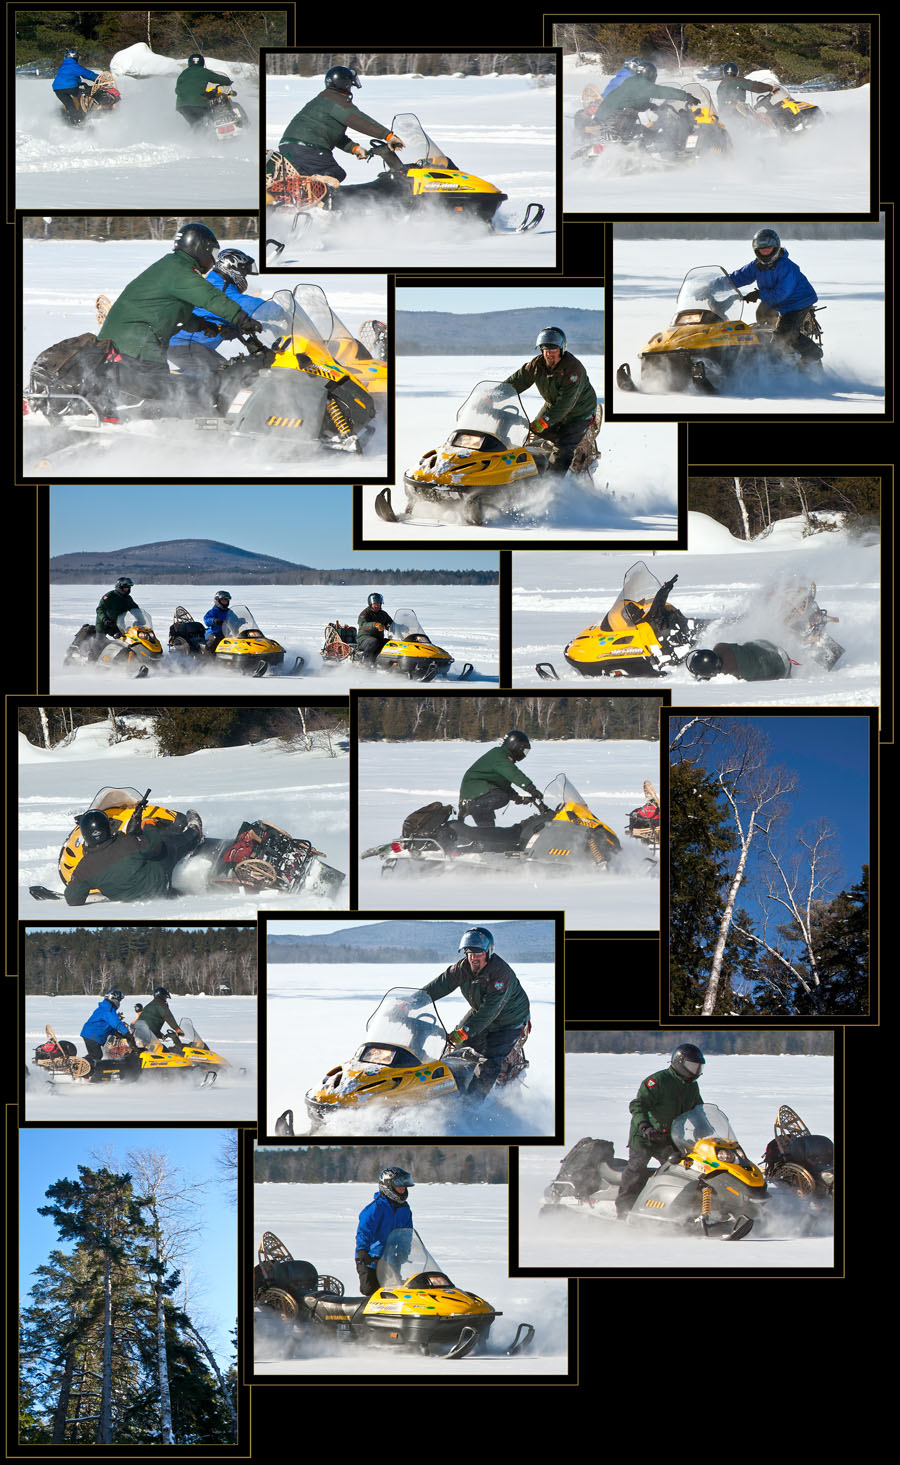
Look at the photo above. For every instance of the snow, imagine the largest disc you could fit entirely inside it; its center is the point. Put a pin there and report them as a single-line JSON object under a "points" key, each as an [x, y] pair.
{"points": [[825, 170], [226, 1024], [501, 129], [396, 778], [316, 1018], [599, 1088], [717, 576], [848, 277], [305, 793], [61, 282], [465, 1229], [636, 479], [142, 155], [461, 619]]}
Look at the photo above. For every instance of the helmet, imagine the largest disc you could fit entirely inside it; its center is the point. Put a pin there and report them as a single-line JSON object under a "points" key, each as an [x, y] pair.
{"points": [[162, 992], [199, 242], [731, 68], [704, 664], [195, 59], [634, 63], [234, 265], [221, 595], [95, 828], [767, 239], [687, 1061], [115, 996], [478, 939], [375, 599], [393, 1183], [643, 68], [124, 582], [341, 78], [516, 744], [552, 336], [71, 53]]}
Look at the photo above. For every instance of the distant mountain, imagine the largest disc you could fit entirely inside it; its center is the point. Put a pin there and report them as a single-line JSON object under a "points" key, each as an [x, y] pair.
{"points": [[509, 333], [413, 940]]}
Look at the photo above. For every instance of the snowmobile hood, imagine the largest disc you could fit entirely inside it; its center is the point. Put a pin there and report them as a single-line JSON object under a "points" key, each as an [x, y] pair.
{"points": [[706, 1141]]}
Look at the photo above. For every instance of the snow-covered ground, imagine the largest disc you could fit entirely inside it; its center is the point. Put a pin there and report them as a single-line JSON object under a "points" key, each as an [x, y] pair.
{"points": [[599, 1088], [501, 129], [718, 576], [61, 281], [465, 1227], [141, 155], [636, 478], [304, 793], [396, 778], [463, 620], [848, 277], [226, 1024], [825, 170], [316, 1018]]}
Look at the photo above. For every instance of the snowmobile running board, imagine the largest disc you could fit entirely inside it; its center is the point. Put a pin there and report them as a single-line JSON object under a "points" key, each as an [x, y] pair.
{"points": [[547, 670]]}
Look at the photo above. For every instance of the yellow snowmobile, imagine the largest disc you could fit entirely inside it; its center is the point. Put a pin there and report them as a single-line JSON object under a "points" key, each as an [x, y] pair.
{"points": [[243, 647], [708, 338], [640, 635], [136, 648], [345, 350], [408, 650], [415, 1305], [120, 1061]]}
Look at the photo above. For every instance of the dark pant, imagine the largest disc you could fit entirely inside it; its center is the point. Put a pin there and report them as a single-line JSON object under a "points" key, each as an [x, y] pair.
{"points": [[153, 387], [312, 161], [634, 1177], [194, 359], [194, 116], [368, 647], [565, 437], [73, 112], [494, 1046], [789, 330], [482, 809]]}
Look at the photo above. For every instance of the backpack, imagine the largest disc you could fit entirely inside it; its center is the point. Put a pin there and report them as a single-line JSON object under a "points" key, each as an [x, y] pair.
{"points": [[426, 820], [579, 1166], [69, 366]]}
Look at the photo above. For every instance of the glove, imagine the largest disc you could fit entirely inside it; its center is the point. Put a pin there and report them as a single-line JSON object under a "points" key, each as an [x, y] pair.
{"points": [[458, 1037], [669, 583], [394, 142], [651, 1135], [540, 424], [245, 322], [752, 295]]}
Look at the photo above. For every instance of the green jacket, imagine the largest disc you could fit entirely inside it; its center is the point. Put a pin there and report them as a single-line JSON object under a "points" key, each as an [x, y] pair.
{"points": [[128, 867], [323, 123], [733, 89], [637, 93], [111, 607], [373, 622], [753, 661], [155, 1014], [565, 388], [496, 998], [149, 310], [660, 1099], [494, 769], [190, 88]]}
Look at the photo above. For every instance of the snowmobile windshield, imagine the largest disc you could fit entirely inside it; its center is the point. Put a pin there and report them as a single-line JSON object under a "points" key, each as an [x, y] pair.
{"points": [[405, 1018], [709, 288], [239, 620], [640, 584], [407, 625], [701, 95], [495, 408], [136, 617], [419, 150], [314, 304], [295, 319], [406, 1257], [701, 1123], [190, 1036], [562, 791], [115, 798]]}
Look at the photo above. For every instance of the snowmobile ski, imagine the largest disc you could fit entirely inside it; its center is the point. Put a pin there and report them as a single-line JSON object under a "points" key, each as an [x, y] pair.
{"points": [[547, 670], [530, 219], [383, 507]]}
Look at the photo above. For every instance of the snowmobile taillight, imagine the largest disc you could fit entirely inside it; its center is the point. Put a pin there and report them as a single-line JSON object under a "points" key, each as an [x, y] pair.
{"points": [[112, 419], [25, 408], [396, 846]]}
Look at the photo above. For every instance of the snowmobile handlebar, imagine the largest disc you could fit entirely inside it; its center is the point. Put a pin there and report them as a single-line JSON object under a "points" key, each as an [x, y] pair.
{"points": [[134, 823]]}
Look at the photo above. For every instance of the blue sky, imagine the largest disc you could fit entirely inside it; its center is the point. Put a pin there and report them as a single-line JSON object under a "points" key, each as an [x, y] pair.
{"points": [[312, 525], [48, 1155]]}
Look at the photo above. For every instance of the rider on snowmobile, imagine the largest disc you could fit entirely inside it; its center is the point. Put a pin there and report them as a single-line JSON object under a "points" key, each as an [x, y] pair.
{"points": [[750, 661], [111, 606], [786, 294], [371, 627], [731, 92], [66, 84], [311, 135], [660, 1099], [499, 1010], [155, 1014], [620, 107], [569, 399], [488, 784], [389, 1211], [102, 1023], [190, 348], [131, 864], [192, 99], [215, 618]]}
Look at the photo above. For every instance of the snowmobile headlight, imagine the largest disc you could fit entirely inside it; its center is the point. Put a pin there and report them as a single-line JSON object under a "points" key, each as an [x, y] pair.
{"points": [[728, 1157]]}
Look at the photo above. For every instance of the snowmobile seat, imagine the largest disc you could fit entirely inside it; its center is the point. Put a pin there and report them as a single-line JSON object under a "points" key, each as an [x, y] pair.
{"points": [[328, 1307]]}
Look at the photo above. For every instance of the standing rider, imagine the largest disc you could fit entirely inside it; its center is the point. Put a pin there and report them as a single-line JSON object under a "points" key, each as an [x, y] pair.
{"points": [[570, 401], [499, 1012], [660, 1099], [784, 292]]}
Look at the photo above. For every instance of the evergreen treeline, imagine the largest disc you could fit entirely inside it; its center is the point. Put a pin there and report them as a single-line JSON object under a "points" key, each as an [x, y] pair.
{"points": [[711, 1040], [162, 227], [106, 1357], [77, 959], [796, 51], [487, 719], [766, 500], [333, 1164], [228, 33], [414, 63], [85, 575], [182, 730], [790, 230]]}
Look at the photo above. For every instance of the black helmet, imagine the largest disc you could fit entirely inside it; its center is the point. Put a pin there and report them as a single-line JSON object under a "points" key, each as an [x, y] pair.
{"points": [[234, 265], [731, 68], [767, 239], [644, 68], [221, 595], [162, 992], [124, 582], [634, 63], [478, 938], [115, 996], [199, 242], [516, 744], [393, 1183], [195, 59], [71, 53], [552, 336], [375, 599], [704, 664], [95, 828], [341, 79], [687, 1061]]}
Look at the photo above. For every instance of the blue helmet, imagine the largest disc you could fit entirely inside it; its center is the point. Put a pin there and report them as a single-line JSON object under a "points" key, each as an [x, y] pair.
{"points": [[478, 938]]}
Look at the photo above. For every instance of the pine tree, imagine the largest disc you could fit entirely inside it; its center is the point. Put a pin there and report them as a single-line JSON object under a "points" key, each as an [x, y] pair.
{"points": [[699, 840]]}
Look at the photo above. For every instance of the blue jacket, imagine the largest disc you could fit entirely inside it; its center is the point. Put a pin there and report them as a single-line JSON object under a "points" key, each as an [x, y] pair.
{"points": [[377, 1222], [70, 74], [617, 80], [252, 304], [214, 618], [784, 287], [103, 1021]]}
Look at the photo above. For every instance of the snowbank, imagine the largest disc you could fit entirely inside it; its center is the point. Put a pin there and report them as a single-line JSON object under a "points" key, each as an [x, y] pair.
{"points": [[139, 61]]}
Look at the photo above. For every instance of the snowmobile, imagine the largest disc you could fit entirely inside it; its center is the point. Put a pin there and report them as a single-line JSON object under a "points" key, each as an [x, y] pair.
{"points": [[136, 648], [243, 647], [708, 339], [800, 1161], [640, 635], [415, 1306], [407, 1058], [121, 1061], [678, 132], [486, 459], [563, 836], [408, 650], [363, 365], [260, 857], [709, 1185], [188, 1044], [431, 184], [225, 116]]}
